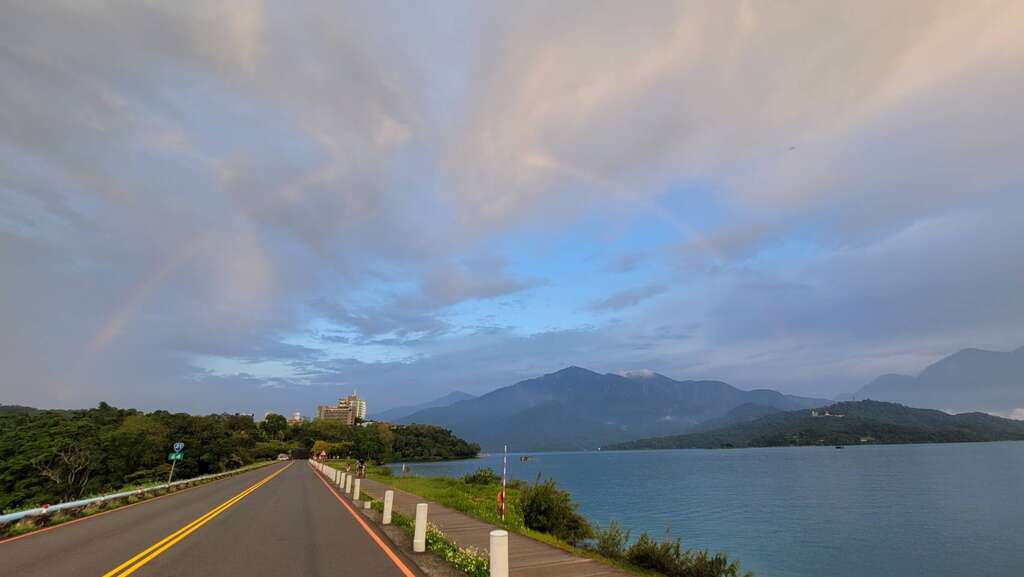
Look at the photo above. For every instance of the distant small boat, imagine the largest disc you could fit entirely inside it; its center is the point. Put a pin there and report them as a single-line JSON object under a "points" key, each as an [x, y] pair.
{"points": [[524, 458], [839, 446]]}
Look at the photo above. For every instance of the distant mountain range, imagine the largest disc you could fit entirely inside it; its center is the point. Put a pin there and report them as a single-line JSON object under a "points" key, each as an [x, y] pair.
{"points": [[575, 409], [847, 423], [971, 379], [397, 413]]}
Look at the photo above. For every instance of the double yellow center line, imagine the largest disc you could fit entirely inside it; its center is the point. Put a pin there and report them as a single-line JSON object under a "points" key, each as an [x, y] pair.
{"points": [[133, 564]]}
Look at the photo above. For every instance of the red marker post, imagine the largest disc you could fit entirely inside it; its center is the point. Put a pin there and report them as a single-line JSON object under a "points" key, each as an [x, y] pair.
{"points": [[501, 493]]}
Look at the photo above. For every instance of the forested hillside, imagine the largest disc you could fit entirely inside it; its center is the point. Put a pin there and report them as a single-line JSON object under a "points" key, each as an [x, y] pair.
{"points": [[846, 423]]}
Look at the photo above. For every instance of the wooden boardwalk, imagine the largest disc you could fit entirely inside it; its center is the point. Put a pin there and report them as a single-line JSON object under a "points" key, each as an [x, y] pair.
{"points": [[526, 557]]}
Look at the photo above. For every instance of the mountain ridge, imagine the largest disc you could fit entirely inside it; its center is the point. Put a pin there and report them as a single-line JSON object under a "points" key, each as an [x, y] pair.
{"points": [[577, 409], [396, 413], [970, 379]]}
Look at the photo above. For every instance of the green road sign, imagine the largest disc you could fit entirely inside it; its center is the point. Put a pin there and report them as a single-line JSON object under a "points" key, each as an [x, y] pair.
{"points": [[175, 456]]}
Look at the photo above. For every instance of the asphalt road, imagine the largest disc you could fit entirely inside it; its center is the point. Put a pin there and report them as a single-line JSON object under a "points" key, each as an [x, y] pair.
{"points": [[291, 525]]}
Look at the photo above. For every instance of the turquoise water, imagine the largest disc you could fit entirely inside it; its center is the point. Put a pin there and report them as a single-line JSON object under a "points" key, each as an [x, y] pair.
{"points": [[910, 510]]}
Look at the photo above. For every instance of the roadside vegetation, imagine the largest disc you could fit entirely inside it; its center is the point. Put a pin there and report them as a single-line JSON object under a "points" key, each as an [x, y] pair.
{"points": [[57, 456], [542, 511], [63, 455]]}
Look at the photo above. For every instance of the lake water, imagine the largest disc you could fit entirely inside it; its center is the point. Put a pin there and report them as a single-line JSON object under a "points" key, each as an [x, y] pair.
{"points": [[952, 510]]}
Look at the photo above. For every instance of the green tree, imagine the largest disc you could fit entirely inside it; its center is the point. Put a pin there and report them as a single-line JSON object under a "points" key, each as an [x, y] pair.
{"points": [[321, 447], [330, 430], [373, 443], [274, 426]]}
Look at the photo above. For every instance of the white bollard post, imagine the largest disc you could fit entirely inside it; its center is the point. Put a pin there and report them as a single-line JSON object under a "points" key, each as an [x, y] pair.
{"points": [[499, 553], [389, 501], [348, 484], [366, 504], [355, 491], [341, 479], [419, 536]]}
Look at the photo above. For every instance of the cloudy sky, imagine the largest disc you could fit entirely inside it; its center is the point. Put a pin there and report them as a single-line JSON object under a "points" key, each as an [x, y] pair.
{"points": [[243, 206]]}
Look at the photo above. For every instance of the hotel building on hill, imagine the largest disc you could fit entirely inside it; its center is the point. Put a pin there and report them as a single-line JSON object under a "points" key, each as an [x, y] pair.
{"points": [[348, 409]]}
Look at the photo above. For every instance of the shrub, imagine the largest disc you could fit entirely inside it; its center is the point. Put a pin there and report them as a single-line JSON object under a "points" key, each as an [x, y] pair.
{"points": [[470, 561], [668, 558], [548, 509], [611, 542], [482, 476]]}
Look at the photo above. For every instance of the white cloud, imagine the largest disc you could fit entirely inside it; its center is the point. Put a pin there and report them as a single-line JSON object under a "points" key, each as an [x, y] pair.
{"points": [[186, 179]]}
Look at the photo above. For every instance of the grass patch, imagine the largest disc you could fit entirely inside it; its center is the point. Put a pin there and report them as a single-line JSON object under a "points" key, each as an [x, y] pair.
{"points": [[475, 500], [479, 501]]}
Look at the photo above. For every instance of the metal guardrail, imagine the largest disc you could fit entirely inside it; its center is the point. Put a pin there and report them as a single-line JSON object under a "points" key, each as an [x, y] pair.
{"points": [[47, 509]]}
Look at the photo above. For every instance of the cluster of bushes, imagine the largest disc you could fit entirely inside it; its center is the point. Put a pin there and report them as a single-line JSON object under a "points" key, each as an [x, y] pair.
{"points": [[548, 509], [666, 556], [482, 476]]}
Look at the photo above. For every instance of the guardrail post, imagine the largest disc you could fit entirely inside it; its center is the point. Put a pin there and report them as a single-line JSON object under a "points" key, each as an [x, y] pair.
{"points": [[341, 480], [499, 553], [348, 484], [419, 537], [389, 501], [355, 491]]}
